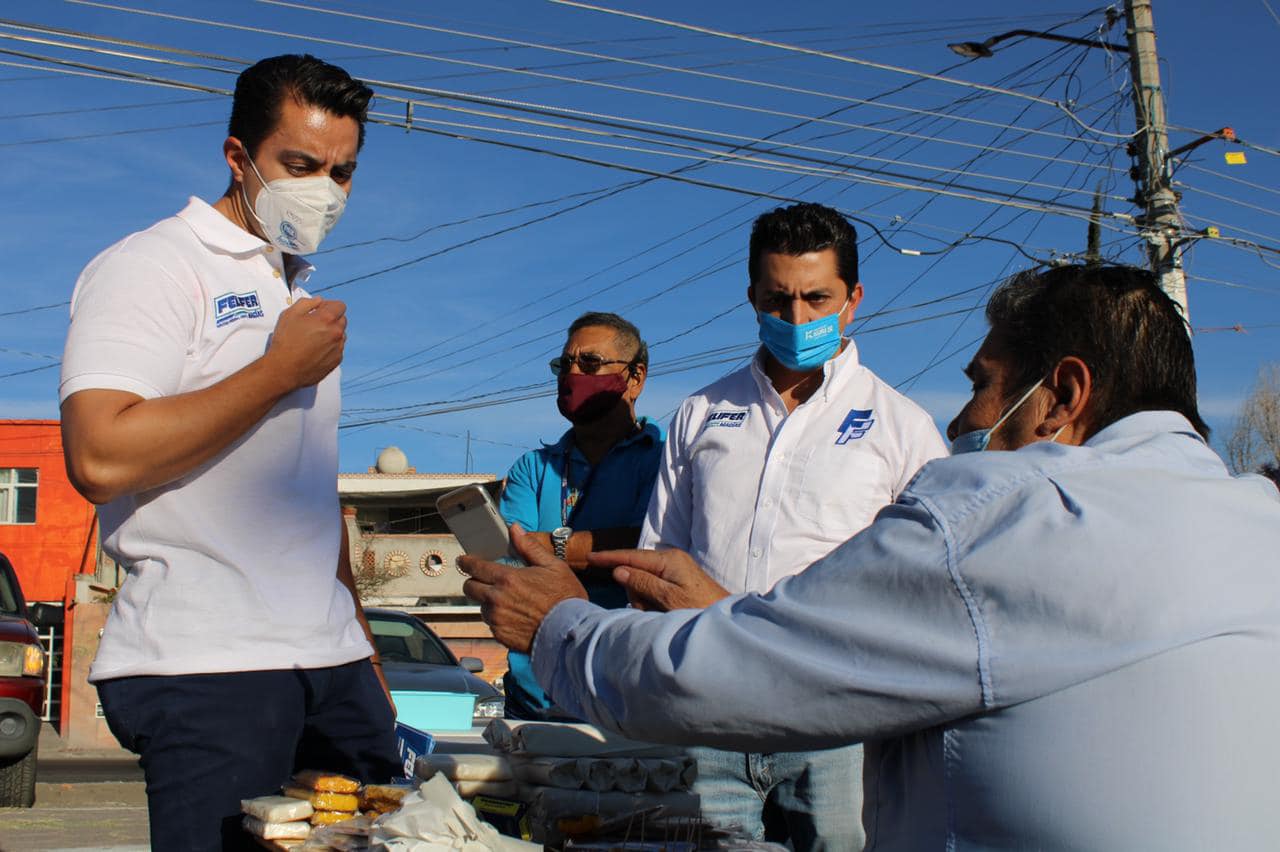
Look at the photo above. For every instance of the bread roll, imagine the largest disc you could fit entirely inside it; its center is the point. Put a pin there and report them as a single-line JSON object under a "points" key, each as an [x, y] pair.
{"points": [[330, 782], [323, 801]]}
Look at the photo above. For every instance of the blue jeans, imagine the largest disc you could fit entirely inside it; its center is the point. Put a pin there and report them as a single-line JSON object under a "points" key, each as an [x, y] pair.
{"points": [[208, 741], [812, 798]]}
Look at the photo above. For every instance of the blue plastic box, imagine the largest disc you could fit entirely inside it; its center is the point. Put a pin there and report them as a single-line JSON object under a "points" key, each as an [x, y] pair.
{"points": [[435, 711]]}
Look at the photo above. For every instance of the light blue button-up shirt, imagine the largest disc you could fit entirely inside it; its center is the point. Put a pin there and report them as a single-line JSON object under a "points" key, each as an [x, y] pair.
{"points": [[1054, 648]]}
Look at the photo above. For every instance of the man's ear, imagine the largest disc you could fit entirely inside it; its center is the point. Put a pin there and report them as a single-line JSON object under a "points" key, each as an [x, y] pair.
{"points": [[232, 151], [1071, 383], [855, 298], [639, 372]]}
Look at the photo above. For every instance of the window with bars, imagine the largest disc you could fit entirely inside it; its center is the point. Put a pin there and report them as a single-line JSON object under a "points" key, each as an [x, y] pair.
{"points": [[18, 495]]}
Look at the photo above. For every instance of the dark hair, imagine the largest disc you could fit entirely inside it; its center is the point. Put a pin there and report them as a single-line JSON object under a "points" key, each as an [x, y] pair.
{"points": [[626, 331], [1115, 319], [1272, 472], [260, 89], [802, 228]]}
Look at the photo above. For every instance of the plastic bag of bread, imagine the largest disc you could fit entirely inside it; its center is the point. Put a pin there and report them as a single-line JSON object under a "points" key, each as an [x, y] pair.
{"points": [[324, 801], [276, 830], [330, 782], [381, 798], [276, 808], [332, 817], [464, 767]]}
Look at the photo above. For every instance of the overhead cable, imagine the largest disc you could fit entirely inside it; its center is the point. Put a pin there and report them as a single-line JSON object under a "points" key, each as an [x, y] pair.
{"points": [[674, 69], [839, 58], [448, 94]]}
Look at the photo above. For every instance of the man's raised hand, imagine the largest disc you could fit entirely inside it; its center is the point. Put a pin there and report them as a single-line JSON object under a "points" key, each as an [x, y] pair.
{"points": [[308, 341], [660, 580], [514, 601]]}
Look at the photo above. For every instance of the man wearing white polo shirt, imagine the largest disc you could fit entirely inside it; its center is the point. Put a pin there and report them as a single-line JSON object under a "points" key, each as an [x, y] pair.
{"points": [[199, 410], [769, 469]]}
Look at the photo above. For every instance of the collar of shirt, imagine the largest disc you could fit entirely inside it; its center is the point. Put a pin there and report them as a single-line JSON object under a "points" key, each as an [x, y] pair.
{"points": [[221, 234], [1141, 425], [845, 364], [648, 432]]}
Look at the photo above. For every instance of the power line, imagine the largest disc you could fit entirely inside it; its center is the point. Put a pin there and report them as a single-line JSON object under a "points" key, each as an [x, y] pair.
{"points": [[32, 370], [107, 134], [1235, 201], [615, 59], [476, 98], [86, 110], [1233, 179], [41, 355], [34, 308], [686, 133], [712, 155], [837, 57]]}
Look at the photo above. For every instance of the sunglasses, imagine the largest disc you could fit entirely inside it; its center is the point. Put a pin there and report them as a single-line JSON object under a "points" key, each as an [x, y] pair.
{"points": [[588, 362]]}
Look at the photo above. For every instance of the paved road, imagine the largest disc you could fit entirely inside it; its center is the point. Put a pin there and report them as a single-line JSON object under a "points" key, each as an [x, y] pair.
{"points": [[88, 816]]}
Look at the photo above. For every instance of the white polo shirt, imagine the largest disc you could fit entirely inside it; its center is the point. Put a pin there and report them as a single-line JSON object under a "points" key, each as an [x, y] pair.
{"points": [[231, 567], [755, 494]]}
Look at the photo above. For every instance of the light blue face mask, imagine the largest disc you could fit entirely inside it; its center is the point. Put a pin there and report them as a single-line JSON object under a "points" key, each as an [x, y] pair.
{"points": [[802, 347], [978, 440]]}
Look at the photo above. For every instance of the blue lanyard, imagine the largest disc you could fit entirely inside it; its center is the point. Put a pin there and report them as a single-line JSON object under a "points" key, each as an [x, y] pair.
{"points": [[571, 497]]}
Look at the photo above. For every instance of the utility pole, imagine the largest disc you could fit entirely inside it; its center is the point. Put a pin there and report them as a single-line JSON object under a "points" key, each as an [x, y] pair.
{"points": [[1160, 221]]}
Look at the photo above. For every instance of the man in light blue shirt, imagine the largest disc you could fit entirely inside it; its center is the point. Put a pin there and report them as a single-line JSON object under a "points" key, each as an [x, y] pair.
{"points": [[1071, 646]]}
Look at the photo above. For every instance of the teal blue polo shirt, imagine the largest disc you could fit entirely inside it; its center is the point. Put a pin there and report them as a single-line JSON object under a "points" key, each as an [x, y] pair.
{"points": [[555, 486]]}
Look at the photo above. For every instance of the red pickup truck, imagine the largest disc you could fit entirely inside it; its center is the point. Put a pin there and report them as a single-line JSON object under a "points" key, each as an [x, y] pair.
{"points": [[21, 694]]}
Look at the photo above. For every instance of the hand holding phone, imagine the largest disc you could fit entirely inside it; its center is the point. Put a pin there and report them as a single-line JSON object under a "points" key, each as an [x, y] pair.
{"points": [[474, 520]]}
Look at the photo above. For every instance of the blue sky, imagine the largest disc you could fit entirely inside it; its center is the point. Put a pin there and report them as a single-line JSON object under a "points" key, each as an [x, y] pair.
{"points": [[471, 311]]}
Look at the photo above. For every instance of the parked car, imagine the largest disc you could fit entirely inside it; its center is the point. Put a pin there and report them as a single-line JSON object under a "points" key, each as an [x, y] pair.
{"points": [[21, 694], [414, 659]]}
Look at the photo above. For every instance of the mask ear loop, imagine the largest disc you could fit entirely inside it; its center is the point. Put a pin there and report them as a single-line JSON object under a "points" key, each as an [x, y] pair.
{"points": [[245, 195], [1015, 406]]}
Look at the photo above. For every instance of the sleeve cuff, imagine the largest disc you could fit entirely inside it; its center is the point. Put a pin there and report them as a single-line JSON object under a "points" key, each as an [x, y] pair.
{"points": [[105, 381], [553, 634]]}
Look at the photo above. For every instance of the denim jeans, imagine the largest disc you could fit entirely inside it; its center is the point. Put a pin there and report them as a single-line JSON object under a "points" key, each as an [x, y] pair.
{"points": [[812, 798], [208, 741]]}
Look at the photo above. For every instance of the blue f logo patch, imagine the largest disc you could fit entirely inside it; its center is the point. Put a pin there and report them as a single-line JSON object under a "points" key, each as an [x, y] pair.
{"points": [[857, 423]]}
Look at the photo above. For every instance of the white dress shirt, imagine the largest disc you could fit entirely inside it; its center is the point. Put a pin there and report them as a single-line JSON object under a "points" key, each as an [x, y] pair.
{"points": [[755, 494]]}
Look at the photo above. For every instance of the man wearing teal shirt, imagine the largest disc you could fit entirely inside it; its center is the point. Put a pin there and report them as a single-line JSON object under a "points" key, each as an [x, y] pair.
{"points": [[589, 490]]}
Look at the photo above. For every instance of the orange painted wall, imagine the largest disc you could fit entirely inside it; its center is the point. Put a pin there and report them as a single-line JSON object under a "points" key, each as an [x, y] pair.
{"points": [[61, 542]]}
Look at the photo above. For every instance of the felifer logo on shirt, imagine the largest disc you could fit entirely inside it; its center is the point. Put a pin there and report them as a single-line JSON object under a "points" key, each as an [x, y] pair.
{"points": [[857, 422], [727, 418], [230, 307]]}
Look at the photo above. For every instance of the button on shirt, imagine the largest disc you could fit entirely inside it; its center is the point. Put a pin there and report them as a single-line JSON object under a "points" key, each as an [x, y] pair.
{"points": [[755, 494], [1054, 648], [232, 566], [614, 493]]}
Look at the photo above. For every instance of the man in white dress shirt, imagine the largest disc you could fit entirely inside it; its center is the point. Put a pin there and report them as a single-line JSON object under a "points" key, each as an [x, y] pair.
{"points": [[769, 469]]}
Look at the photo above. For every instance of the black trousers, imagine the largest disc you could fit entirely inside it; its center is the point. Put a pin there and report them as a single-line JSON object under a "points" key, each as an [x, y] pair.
{"points": [[208, 741]]}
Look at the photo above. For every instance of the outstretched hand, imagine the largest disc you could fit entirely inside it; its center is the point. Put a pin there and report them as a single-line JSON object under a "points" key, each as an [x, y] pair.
{"points": [[660, 580], [514, 601]]}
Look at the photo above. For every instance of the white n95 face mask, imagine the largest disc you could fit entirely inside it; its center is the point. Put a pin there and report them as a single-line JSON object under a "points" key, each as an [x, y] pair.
{"points": [[297, 213]]}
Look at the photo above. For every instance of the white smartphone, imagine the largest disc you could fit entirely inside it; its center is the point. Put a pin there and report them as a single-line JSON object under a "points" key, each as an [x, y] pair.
{"points": [[474, 520]]}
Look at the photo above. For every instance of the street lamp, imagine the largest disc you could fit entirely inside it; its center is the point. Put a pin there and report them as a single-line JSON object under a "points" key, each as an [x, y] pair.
{"points": [[982, 49]]}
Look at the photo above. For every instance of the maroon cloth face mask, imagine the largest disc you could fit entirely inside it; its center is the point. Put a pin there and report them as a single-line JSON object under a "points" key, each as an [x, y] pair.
{"points": [[584, 398]]}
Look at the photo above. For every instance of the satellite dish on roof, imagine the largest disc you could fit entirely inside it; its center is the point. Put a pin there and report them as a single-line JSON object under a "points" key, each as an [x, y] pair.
{"points": [[392, 460]]}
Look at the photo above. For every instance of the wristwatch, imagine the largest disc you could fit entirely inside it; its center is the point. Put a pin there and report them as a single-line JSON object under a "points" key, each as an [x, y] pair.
{"points": [[560, 541]]}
